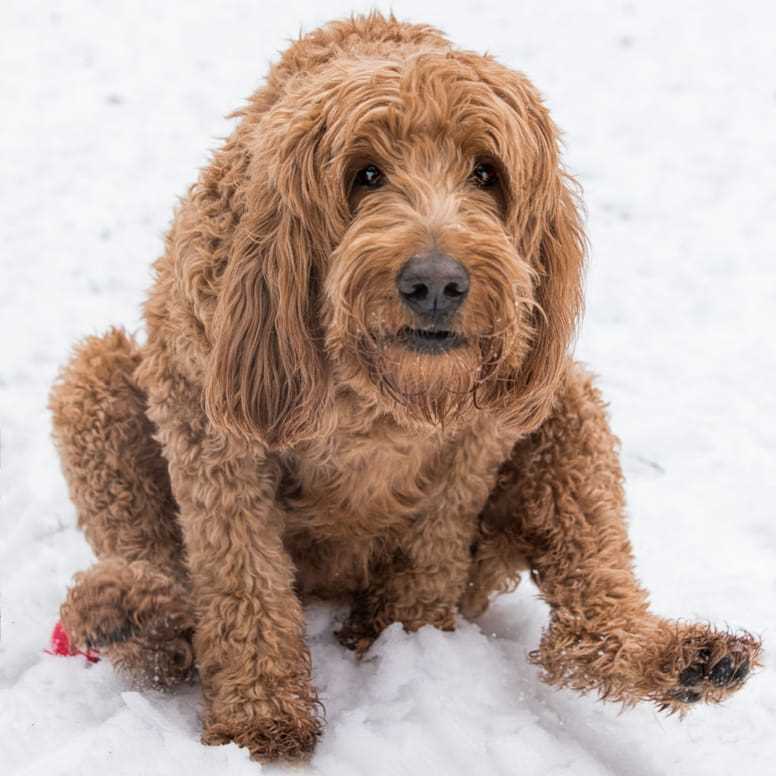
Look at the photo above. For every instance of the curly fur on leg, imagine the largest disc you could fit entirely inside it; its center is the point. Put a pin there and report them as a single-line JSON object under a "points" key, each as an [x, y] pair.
{"points": [[114, 467], [252, 660], [134, 602], [560, 503]]}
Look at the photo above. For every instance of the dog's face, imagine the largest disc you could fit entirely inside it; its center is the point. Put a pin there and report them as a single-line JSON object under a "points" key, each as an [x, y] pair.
{"points": [[427, 297], [417, 245]]}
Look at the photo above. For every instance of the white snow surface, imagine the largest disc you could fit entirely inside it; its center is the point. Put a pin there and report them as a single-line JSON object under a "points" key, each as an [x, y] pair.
{"points": [[669, 113]]}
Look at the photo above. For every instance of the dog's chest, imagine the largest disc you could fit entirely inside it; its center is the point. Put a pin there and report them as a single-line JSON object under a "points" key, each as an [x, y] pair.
{"points": [[364, 484], [360, 485]]}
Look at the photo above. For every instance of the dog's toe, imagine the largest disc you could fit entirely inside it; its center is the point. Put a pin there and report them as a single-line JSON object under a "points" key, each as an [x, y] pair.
{"points": [[356, 639], [95, 626], [722, 673]]}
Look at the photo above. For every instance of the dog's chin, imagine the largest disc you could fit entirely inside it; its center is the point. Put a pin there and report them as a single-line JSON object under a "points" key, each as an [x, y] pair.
{"points": [[429, 369], [423, 355], [430, 342]]}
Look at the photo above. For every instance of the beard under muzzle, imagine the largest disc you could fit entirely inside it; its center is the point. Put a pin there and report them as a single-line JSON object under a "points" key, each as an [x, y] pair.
{"points": [[430, 374]]}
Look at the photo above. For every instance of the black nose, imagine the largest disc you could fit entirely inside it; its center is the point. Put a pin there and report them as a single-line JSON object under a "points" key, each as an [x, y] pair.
{"points": [[433, 285]]}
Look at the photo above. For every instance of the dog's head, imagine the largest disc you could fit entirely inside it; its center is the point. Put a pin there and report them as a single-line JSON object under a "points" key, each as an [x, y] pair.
{"points": [[406, 232]]}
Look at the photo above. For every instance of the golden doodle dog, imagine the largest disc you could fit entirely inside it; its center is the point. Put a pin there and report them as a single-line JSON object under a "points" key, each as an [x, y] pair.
{"points": [[356, 385]]}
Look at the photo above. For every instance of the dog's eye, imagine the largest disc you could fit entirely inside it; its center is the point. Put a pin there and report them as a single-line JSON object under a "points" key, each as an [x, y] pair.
{"points": [[370, 177], [485, 175]]}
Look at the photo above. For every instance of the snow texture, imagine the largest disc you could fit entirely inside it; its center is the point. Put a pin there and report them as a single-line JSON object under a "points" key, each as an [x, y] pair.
{"points": [[669, 113]]}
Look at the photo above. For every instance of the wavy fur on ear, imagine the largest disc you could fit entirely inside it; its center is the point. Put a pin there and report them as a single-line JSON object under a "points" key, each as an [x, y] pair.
{"points": [[266, 373], [558, 259], [545, 219], [266, 377]]}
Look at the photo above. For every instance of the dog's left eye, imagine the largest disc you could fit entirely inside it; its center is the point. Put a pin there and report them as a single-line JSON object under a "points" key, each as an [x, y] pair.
{"points": [[485, 175], [371, 177]]}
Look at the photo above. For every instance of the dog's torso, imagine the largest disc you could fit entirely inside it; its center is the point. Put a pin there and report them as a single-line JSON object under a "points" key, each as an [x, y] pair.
{"points": [[358, 491]]}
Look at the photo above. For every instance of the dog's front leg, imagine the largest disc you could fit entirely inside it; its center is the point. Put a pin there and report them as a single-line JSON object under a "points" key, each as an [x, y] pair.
{"points": [[249, 637], [562, 501], [417, 582]]}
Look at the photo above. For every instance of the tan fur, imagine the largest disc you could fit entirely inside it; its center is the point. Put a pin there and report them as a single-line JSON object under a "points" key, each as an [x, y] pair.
{"points": [[273, 440]]}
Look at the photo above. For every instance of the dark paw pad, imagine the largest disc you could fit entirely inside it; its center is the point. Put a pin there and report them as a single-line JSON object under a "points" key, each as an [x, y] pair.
{"points": [[711, 666], [706, 676], [741, 672], [722, 673], [691, 676]]}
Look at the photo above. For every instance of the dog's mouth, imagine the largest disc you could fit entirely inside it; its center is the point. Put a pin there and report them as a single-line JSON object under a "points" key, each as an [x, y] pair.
{"points": [[429, 341]]}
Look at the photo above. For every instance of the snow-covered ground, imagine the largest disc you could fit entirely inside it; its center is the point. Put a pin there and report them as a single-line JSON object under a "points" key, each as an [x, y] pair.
{"points": [[669, 110]]}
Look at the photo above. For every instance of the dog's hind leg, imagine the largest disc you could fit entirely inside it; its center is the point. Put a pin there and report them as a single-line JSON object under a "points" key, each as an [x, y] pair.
{"points": [[114, 468], [560, 504], [135, 600]]}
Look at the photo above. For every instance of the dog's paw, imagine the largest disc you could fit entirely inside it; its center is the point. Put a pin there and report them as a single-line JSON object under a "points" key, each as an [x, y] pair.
{"points": [[361, 628], [356, 635], [289, 738], [708, 666], [115, 601], [368, 619], [96, 616], [154, 664]]}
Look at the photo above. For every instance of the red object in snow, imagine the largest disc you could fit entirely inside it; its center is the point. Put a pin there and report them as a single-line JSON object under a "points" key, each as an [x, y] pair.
{"points": [[60, 645]]}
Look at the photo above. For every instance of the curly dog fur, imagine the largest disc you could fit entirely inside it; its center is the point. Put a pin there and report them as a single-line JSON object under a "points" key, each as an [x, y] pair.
{"points": [[298, 424]]}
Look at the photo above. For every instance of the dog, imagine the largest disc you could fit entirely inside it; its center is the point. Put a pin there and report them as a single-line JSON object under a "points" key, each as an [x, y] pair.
{"points": [[357, 386]]}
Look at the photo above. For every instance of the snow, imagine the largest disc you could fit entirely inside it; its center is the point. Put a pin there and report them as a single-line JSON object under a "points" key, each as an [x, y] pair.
{"points": [[669, 112]]}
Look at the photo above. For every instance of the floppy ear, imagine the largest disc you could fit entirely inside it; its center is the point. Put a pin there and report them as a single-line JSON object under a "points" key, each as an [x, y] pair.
{"points": [[548, 230], [267, 377], [558, 258]]}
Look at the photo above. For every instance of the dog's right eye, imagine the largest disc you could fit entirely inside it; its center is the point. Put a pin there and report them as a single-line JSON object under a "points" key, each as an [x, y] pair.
{"points": [[370, 177], [485, 175]]}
